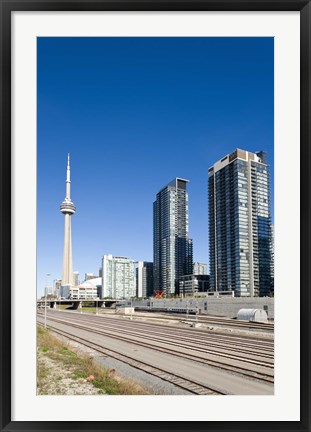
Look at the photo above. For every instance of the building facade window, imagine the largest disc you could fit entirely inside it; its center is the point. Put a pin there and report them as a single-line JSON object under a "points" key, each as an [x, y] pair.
{"points": [[172, 248], [239, 224]]}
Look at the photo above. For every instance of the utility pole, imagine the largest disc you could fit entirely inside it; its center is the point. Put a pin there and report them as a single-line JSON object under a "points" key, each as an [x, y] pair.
{"points": [[45, 303]]}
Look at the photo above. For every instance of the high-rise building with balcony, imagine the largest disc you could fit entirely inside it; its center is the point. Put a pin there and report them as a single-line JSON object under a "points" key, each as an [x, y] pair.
{"points": [[172, 248], [239, 224], [89, 276], [76, 279], [272, 260], [118, 277], [57, 283], [199, 268]]}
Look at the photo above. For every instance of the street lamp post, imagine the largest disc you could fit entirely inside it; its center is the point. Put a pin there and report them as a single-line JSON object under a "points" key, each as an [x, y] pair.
{"points": [[187, 308], [45, 307], [197, 311], [45, 292]]}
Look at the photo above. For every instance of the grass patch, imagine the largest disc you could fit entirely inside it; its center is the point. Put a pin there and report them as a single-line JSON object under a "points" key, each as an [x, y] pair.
{"points": [[64, 306], [67, 353], [80, 375], [43, 373], [80, 366]]}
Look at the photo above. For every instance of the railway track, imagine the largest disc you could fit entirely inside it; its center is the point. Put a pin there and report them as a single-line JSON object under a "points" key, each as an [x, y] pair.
{"points": [[179, 381], [197, 341], [207, 319], [223, 322], [243, 339], [249, 367]]}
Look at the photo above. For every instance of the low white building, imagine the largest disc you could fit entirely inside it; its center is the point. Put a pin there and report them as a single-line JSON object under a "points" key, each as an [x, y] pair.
{"points": [[89, 290]]}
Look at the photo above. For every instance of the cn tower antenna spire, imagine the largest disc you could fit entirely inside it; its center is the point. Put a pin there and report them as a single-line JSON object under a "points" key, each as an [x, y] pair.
{"points": [[68, 168], [68, 179]]}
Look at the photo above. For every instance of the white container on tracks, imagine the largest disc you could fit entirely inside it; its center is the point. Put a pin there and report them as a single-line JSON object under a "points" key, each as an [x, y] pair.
{"points": [[252, 315]]}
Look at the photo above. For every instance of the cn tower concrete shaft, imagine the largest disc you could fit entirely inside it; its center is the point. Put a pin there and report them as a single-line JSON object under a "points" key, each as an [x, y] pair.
{"points": [[67, 274], [68, 208]]}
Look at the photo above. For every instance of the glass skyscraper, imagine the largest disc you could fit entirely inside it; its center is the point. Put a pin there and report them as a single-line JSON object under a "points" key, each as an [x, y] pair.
{"points": [[172, 248], [144, 279], [240, 224]]}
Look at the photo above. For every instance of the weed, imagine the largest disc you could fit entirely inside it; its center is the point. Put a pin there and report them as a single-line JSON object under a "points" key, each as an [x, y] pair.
{"points": [[78, 374], [80, 366]]}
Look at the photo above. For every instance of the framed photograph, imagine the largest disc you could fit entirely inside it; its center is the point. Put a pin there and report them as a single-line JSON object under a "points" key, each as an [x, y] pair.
{"points": [[155, 215]]}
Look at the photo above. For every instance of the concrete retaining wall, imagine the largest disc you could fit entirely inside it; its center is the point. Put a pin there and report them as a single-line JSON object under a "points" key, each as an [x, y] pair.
{"points": [[230, 307], [223, 306]]}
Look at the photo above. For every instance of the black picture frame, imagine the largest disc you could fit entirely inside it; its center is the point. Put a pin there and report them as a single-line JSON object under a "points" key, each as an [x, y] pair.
{"points": [[9, 6]]}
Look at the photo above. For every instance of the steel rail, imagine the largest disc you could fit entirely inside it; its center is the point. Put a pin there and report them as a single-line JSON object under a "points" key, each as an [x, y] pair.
{"points": [[199, 333], [261, 375], [177, 380], [124, 327], [199, 345], [221, 321]]}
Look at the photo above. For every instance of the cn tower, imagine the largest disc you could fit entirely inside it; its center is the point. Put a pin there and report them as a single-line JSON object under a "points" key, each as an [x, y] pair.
{"points": [[68, 208]]}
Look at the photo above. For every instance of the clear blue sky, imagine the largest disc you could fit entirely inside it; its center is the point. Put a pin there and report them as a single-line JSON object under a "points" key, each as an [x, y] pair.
{"points": [[134, 113]]}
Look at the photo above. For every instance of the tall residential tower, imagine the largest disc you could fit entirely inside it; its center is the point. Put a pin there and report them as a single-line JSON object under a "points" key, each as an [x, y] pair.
{"points": [[118, 280], [172, 249], [68, 208], [239, 224]]}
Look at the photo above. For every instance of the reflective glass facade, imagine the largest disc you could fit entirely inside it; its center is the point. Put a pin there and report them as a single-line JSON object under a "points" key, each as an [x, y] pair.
{"points": [[239, 224], [144, 279], [172, 249]]}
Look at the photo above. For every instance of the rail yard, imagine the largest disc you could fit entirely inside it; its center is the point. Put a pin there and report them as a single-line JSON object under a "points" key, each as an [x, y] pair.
{"points": [[202, 355]]}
